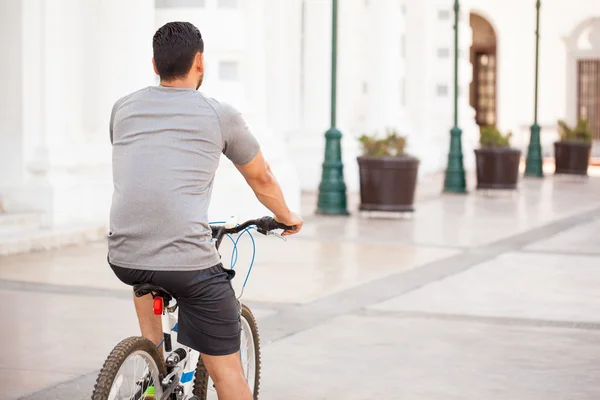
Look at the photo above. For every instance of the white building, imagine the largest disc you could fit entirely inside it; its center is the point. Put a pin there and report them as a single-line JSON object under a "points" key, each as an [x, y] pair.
{"points": [[64, 63]]}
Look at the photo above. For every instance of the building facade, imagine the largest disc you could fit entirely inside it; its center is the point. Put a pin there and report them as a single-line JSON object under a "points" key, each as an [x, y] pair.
{"points": [[65, 62]]}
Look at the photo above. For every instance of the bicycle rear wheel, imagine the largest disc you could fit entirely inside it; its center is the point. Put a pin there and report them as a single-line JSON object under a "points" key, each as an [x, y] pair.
{"points": [[132, 366], [249, 353]]}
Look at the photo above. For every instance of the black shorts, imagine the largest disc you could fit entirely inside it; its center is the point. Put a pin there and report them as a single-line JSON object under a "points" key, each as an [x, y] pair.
{"points": [[209, 314]]}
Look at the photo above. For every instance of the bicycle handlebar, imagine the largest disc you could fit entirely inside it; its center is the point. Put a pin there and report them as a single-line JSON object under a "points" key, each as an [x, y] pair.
{"points": [[263, 225]]}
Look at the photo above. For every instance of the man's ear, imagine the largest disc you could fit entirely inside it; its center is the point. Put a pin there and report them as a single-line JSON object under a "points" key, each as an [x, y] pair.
{"points": [[154, 66], [200, 62]]}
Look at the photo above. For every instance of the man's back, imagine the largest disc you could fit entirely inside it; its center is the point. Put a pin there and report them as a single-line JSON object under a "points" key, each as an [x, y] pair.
{"points": [[167, 143]]}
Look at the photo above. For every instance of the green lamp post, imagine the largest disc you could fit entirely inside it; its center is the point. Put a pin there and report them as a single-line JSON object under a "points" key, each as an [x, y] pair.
{"points": [[533, 165], [332, 189], [454, 181]]}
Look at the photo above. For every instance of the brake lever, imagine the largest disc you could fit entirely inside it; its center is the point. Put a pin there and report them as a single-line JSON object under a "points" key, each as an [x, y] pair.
{"points": [[272, 233]]}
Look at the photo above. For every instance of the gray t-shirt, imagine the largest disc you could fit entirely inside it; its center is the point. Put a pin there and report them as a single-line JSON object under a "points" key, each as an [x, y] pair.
{"points": [[167, 143]]}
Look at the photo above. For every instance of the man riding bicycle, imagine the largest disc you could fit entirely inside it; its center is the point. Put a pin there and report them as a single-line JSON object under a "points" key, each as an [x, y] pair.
{"points": [[167, 141]]}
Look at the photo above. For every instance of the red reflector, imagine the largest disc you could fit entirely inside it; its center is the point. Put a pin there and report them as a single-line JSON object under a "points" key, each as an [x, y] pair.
{"points": [[158, 305]]}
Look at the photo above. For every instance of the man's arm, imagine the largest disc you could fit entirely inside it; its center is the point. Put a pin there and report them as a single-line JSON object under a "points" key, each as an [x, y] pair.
{"points": [[242, 148], [259, 176]]}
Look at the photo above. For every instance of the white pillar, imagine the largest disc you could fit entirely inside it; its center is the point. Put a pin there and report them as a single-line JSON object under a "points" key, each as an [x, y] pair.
{"points": [[23, 154], [11, 108], [283, 50], [430, 83], [386, 26], [231, 194], [96, 52], [307, 143], [70, 64], [35, 53]]}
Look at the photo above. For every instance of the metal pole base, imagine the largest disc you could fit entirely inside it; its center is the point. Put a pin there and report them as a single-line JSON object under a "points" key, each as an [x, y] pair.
{"points": [[455, 181], [332, 189], [534, 163]]}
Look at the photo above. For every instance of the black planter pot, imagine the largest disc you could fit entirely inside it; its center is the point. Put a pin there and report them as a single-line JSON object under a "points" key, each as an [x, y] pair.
{"points": [[497, 167], [387, 183], [572, 157]]}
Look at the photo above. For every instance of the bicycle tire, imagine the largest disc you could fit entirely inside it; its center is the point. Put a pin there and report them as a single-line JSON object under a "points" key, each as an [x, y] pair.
{"points": [[201, 375], [117, 357]]}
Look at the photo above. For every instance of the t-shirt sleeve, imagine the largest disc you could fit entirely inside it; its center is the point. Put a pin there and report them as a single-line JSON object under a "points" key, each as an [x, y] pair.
{"points": [[112, 121], [239, 144]]}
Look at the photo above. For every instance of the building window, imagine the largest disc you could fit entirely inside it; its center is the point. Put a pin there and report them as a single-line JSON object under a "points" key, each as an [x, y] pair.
{"points": [[228, 71], [442, 90], [484, 73], [443, 52], [179, 3], [443, 15], [227, 3], [588, 93]]}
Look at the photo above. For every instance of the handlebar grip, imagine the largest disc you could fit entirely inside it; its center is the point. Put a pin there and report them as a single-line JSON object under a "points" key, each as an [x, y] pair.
{"points": [[269, 224]]}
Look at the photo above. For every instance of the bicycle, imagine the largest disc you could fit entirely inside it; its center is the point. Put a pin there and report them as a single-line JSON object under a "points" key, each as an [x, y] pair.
{"points": [[181, 375]]}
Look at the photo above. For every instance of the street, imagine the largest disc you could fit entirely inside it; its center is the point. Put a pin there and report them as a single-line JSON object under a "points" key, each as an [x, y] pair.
{"points": [[483, 296]]}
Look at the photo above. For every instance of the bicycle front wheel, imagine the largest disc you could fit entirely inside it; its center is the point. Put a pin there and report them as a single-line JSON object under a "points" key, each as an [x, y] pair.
{"points": [[250, 357], [132, 371]]}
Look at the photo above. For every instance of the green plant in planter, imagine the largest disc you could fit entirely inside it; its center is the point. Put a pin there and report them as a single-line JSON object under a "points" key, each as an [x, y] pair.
{"points": [[392, 145], [580, 133], [388, 176], [490, 136]]}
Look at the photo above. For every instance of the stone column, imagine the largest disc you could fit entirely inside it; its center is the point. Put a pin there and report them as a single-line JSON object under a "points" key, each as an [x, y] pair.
{"points": [[283, 64], [308, 143], [430, 82], [12, 151], [231, 195], [385, 69], [23, 155], [97, 51], [70, 61], [34, 56]]}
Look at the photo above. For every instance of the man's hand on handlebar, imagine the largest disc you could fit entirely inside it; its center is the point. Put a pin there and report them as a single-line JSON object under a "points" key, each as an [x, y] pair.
{"points": [[290, 220]]}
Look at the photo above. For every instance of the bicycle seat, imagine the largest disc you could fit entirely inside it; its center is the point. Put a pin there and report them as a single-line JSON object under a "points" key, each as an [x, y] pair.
{"points": [[145, 288]]}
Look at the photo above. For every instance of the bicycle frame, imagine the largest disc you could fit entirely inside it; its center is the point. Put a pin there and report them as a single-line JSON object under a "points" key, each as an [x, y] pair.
{"points": [[186, 372]]}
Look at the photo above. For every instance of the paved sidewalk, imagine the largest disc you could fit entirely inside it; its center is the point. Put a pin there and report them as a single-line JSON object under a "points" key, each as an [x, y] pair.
{"points": [[473, 297]]}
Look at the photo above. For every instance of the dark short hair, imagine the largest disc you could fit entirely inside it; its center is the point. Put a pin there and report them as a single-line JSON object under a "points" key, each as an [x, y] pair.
{"points": [[175, 46]]}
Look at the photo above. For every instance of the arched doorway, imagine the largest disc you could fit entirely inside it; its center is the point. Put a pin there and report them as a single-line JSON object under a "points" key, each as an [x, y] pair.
{"points": [[483, 58], [584, 76]]}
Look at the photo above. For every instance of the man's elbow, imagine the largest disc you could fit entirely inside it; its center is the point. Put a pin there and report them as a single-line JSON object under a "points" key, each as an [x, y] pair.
{"points": [[264, 179]]}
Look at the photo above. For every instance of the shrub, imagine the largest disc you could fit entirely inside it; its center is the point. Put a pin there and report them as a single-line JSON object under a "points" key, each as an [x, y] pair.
{"points": [[490, 136], [392, 145], [580, 133]]}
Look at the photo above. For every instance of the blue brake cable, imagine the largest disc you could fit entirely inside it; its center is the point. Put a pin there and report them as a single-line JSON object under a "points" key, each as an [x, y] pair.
{"points": [[235, 252]]}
